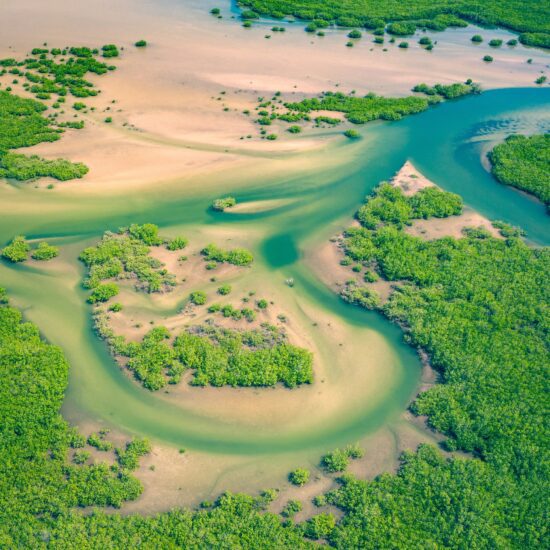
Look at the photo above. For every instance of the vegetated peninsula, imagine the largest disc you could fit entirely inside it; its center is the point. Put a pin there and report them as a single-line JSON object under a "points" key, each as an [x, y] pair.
{"points": [[404, 17], [353, 108], [457, 299], [524, 162]]}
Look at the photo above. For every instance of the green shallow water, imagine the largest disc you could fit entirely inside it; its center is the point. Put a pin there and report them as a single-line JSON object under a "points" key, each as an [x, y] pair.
{"points": [[445, 143]]}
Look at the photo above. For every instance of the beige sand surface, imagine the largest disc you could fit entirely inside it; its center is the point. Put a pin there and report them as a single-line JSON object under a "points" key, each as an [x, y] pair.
{"points": [[168, 93]]}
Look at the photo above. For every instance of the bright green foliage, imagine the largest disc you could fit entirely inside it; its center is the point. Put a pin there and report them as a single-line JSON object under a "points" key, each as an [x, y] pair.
{"points": [[299, 477], [198, 298], [536, 39], [352, 134], [338, 460], [45, 251], [98, 441], [38, 486], [235, 521], [123, 255], [360, 295], [224, 290], [148, 233], [292, 507], [524, 162], [459, 303], [477, 38], [488, 58], [177, 243], [109, 50], [17, 250], [22, 125], [434, 502], [236, 256], [433, 14], [320, 526], [103, 293], [363, 109], [355, 34], [48, 74], [243, 358], [128, 458], [402, 29], [23, 168], [80, 457], [388, 205], [223, 203], [327, 120], [153, 360], [448, 91], [495, 43], [140, 44], [217, 356]]}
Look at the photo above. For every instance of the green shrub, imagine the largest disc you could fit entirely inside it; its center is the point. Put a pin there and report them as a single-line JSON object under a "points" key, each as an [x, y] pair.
{"points": [[109, 50], [223, 203], [299, 477], [477, 38], [45, 251], [224, 290], [335, 461], [487, 58], [140, 44], [320, 526], [495, 43], [198, 298], [523, 162], [177, 243], [103, 292], [291, 508], [17, 250], [352, 134], [236, 256]]}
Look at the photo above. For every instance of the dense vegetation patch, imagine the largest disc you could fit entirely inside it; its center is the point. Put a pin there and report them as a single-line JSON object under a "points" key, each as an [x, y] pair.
{"points": [[235, 256], [217, 357], [126, 254], [436, 15], [18, 250], [39, 487], [23, 125], [459, 302], [372, 107], [524, 162], [60, 72], [476, 305]]}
